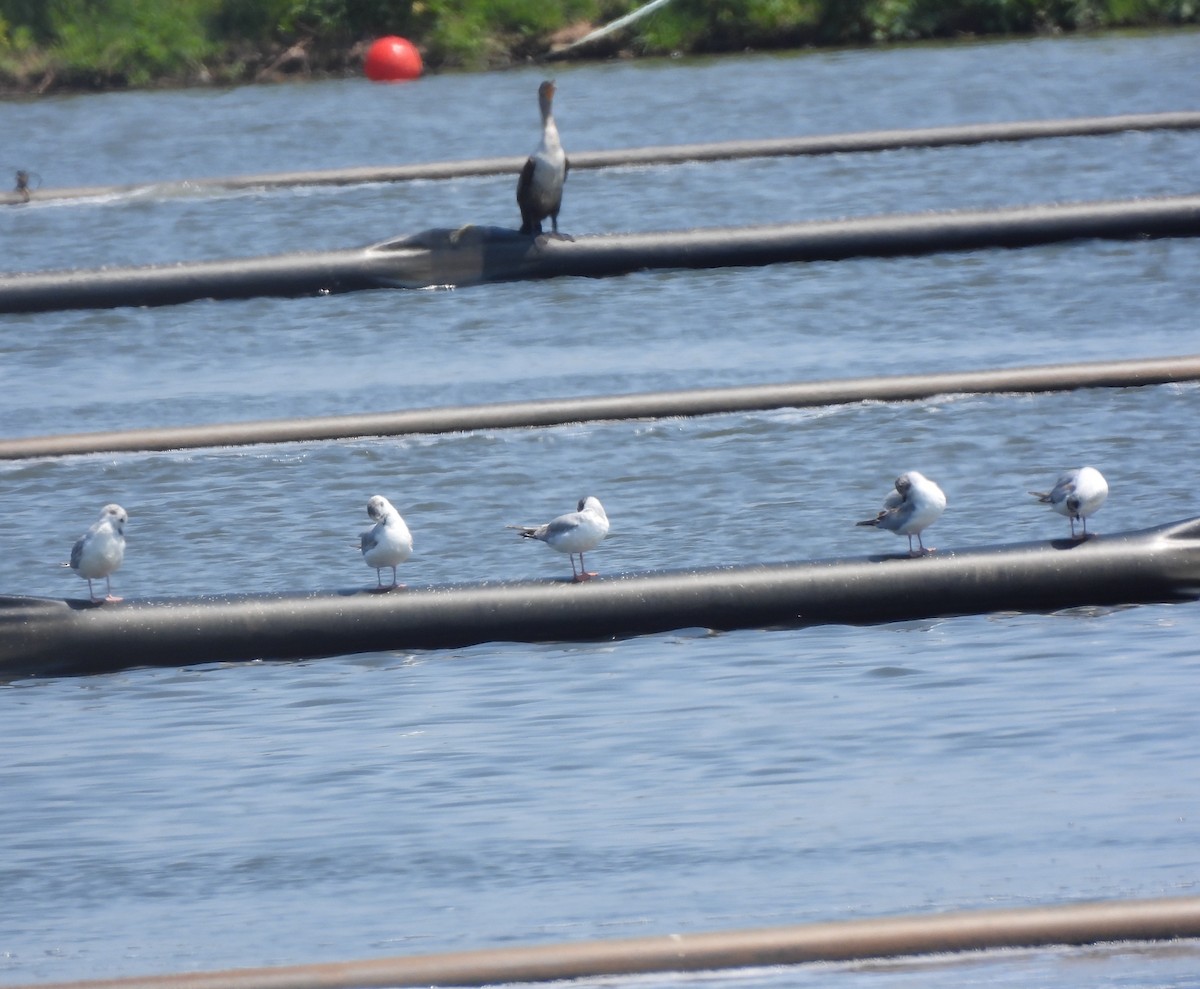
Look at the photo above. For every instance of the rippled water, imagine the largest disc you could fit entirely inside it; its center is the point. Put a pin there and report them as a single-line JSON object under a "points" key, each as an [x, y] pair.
{"points": [[161, 820]]}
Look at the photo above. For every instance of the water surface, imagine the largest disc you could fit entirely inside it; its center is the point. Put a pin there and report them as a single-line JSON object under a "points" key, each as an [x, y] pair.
{"points": [[264, 813]]}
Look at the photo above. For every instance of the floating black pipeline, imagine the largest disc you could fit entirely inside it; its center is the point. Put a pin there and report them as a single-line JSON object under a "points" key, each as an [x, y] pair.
{"points": [[472, 255], [45, 637]]}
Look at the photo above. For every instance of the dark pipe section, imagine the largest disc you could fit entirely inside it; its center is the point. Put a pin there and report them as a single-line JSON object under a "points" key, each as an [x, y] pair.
{"points": [[471, 255], [282, 275], [928, 137], [554, 412], [44, 637]]}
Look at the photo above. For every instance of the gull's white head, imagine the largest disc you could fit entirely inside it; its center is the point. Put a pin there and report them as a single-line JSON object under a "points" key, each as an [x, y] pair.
{"points": [[116, 516], [379, 508], [590, 503]]}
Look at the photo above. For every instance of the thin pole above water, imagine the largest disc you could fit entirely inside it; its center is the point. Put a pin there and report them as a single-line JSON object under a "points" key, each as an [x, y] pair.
{"points": [[644, 405], [837, 941], [826, 144]]}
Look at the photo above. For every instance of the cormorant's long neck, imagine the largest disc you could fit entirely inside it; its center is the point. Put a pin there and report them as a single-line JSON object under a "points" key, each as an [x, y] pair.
{"points": [[550, 139]]}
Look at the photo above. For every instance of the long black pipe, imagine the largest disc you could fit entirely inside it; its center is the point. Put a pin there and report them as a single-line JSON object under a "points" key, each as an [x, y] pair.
{"points": [[42, 636], [836, 941], [927, 137], [647, 405], [472, 255]]}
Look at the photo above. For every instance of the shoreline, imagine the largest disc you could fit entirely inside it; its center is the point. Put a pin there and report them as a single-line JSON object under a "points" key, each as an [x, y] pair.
{"points": [[303, 62]]}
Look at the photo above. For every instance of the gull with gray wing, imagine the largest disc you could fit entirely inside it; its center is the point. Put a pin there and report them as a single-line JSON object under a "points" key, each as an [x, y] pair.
{"points": [[574, 533], [915, 504], [1076, 494], [388, 543], [100, 551]]}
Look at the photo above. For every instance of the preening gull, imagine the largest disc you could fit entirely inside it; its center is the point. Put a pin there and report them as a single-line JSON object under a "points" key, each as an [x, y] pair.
{"points": [[100, 551], [1076, 494], [574, 533], [388, 543], [915, 504]]}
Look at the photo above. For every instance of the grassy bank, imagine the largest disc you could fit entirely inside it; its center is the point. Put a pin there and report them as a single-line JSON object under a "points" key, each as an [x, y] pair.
{"points": [[48, 45]]}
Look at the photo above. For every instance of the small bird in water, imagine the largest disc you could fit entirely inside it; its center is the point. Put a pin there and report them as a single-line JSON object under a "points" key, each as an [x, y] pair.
{"points": [[540, 188], [1076, 494], [100, 551], [573, 533], [388, 543], [915, 504]]}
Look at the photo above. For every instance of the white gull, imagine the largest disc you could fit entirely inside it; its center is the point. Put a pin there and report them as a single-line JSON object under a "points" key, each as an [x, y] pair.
{"points": [[1076, 494], [915, 504], [388, 543], [574, 533], [100, 551]]}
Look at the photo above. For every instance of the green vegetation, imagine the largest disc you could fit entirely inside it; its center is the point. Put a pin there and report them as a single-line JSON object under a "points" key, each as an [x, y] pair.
{"points": [[75, 44]]}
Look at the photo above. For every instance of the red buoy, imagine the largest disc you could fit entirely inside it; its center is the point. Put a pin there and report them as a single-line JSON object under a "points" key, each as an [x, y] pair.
{"points": [[392, 59]]}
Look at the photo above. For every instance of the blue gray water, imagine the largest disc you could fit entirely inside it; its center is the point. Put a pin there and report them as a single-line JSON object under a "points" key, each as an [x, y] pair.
{"points": [[166, 820]]}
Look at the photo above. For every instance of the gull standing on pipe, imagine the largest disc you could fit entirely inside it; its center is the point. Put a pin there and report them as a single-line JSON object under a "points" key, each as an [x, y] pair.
{"points": [[100, 551], [1076, 494], [388, 543], [573, 533], [915, 504], [540, 188]]}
